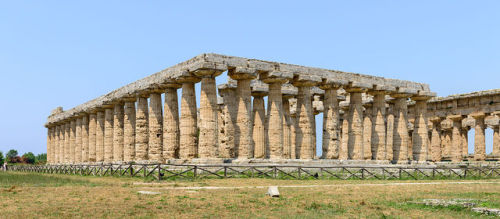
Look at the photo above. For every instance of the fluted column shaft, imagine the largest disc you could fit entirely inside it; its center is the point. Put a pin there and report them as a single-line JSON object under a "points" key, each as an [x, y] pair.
{"points": [[305, 124], [293, 137], [49, 146], [436, 154], [367, 132], [464, 133], [259, 131], [496, 141], [57, 147], [227, 144], [275, 121], [99, 137], [456, 139], [188, 122], [108, 135], [72, 141], [171, 124], [331, 125], [118, 132], [479, 139], [207, 147], [400, 136], [243, 125], [287, 135], [92, 136], [67, 128], [141, 129], [355, 132], [389, 140], [78, 140], [85, 138], [344, 140], [129, 126], [420, 132], [155, 128], [379, 150]]}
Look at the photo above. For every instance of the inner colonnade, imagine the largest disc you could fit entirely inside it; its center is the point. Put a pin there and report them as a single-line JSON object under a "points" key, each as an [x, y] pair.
{"points": [[364, 117]]}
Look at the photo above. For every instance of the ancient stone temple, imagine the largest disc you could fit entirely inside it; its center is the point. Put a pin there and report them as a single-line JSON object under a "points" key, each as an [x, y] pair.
{"points": [[364, 118]]}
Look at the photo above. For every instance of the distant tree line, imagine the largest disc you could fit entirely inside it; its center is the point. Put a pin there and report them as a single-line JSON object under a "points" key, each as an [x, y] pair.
{"points": [[12, 157]]}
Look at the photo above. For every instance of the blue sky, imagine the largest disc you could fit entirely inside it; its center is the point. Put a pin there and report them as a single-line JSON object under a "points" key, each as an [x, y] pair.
{"points": [[64, 53]]}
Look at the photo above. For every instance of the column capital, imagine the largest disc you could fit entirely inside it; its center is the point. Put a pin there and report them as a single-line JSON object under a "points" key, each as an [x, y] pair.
{"points": [[187, 77], [455, 117], [205, 68], [381, 89], [306, 80], [276, 77], [357, 87], [332, 83], [242, 73], [478, 115]]}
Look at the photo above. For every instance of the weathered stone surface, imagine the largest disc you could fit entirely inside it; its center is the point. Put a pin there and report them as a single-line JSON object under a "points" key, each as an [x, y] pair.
{"points": [[99, 136], [259, 131], [389, 144], [456, 139], [188, 123], [141, 129], [208, 119], [227, 144], [243, 125], [435, 146], [420, 133], [479, 139], [275, 121], [78, 140], [72, 141], [366, 149], [331, 125], [155, 128], [378, 139], [355, 132], [85, 138], [400, 136], [287, 135], [118, 132], [305, 127], [108, 135], [171, 130], [92, 136], [129, 125]]}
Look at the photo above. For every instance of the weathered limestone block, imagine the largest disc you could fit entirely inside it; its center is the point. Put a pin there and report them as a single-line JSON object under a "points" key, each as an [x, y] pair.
{"points": [[155, 128], [108, 135], [92, 136], [436, 140], [72, 141], [171, 130], [141, 129], [78, 140], [420, 132], [367, 132], [207, 146], [355, 132], [129, 131], [188, 122], [99, 136], [479, 139], [389, 144], [85, 138], [259, 132], [287, 141], [456, 138], [118, 132], [400, 136], [227, 144], [331, 124], [305, 133], [378, 140], [243, 126]]}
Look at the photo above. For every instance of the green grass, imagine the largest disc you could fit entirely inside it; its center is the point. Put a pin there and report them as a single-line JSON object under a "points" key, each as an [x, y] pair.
{"points": [[9, 179]]}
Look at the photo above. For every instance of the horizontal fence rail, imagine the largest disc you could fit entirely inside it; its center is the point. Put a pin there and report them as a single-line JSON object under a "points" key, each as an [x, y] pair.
{"points": [[168, 171]]}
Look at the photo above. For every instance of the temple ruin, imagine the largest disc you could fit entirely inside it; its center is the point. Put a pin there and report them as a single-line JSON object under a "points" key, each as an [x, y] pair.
{"points": [[365, 118]]}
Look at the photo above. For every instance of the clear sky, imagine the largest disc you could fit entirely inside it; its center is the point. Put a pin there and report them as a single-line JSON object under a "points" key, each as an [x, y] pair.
{"points": [[64, 53]]}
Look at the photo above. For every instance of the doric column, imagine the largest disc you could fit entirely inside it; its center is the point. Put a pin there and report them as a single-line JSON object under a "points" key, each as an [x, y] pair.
{"points": [[85, 138], [378, 140], [108, 134], [92, 136], [275, 111], [243, 125], [355, 119], [72, 140], [456, 139], [118, 137], [49, 145], [496, 141], [304, 134], [287, 128], [367, 131], [479, 139], [259, 131], [188, 121], [155, 127], [171, 123], [57, 144], [464, 134], [78, 140], [141, 129], [389, 142], [331, 122], [207, 146], [129, 130], [400, 136], [293, 137], [436, 140], [446, 126], [344, 140], [99, 137], [227, 144], [420, 131]]}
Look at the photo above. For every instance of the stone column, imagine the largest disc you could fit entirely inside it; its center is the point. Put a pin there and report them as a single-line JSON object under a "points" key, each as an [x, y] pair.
{"points": [[293, 137], [344, 140], [287, 128], [188, 122], [129, 130], [92, 136], [141, 129], [207, 146], [420, 131], [436, 140], [49, 145], [78, 140], [496, 141], [456, 139], [57, 148], [400, 137], [155, 127], [108, 134], [171, 123], [304, 134], [85, 138], [118, 132], [367, 132], [378, 142], [331, 123], [99, 137], [464, 132], [479, 139], [227, 144], [355, 121], [72, 140], [389, 142], [259, 132]]}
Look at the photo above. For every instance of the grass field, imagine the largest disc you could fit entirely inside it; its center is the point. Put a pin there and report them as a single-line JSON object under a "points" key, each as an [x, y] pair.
{"points": [[32, 195]]}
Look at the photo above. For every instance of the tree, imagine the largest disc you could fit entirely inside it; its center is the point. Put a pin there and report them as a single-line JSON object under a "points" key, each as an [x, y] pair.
{"points": [[41, 158], [1, 158], [11, 156], [28, 158]]}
